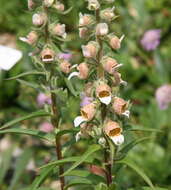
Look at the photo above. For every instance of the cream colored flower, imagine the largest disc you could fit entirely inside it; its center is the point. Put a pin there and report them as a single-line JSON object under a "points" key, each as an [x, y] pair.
{"points": [[47, 55], [103, 92]]}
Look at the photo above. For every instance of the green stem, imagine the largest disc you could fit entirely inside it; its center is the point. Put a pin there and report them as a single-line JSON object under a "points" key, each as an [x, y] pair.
{"points": [[100, 75], [56, 115]]}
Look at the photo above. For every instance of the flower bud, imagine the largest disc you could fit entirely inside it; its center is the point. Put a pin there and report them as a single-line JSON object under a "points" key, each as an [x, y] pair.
{"points": [[65, 66], [119, 105], [88, 88], [107, 14], [88, 111], [39, 19], [112, 128], [31, 38], [59, 30], [90, 50], [115, 42], [85, 19], [59, 6], [47, 55], [109, 64], [83, 32], [83, 70], [102, 29], [31, 4], [103, 92], [48, 3], [93, 4]]}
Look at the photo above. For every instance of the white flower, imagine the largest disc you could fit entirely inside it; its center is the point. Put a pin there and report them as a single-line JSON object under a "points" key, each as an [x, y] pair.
{"points": [[118, 139], [102, 29], [9, 57], [78, 120]]}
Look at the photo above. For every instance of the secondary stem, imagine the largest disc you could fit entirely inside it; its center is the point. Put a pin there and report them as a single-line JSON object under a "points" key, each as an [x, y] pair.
{"points": [[56, 115], [100, 74]]}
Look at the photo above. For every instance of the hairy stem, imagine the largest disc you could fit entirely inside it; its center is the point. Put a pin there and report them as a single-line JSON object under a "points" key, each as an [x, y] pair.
{"points": [[56, 115], [100, 75]]}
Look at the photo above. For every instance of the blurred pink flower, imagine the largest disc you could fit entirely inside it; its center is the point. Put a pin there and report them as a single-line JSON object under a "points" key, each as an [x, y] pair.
{"points": [[43, 99], [46, 127], [151, 39], [85, 100], [163, 96], [65, 56]]}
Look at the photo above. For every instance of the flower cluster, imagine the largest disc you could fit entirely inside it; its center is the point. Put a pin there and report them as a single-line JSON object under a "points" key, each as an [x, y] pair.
{"points": [[101, 108]]}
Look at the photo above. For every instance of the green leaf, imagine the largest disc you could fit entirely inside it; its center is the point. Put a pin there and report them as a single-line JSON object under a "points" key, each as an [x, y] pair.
{"points": [[39, 179], [63, 132], [89, 152], [95, 179], [19, 168], [78, 181], [101, 186], [67, 11], [138, 170], [133, 143], [40, 134], [29, 84], [26, 74], [39, 113], [5, 163], [67, 160], [70, 87]]}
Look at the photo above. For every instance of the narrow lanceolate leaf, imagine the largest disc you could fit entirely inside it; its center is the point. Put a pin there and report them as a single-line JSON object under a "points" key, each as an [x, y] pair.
{"points": [[138, 128], [71, 88], [29, 84], [39, 179], [67, 11], [20, 166], [26, 74], [133, 143], [67, 160], [89, 152], [39, 113], [69, 131], [138, 170], [78, 181], [39, 134], [5, 163]]}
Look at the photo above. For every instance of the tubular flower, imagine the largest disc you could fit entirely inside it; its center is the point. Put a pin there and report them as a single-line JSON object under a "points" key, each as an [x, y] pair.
{"points": [[48, 3], [114, 132], [90, 50], [59, 6], [85, 20], [93, 4], [120, 106], [47, 55], [83, 32], [107, 14], [103, 92], [87, 114], [102, 29], [65, 66], [115, 42], [39, 19], [109, 64], [31, 38], [59, 30], [82, 73]]}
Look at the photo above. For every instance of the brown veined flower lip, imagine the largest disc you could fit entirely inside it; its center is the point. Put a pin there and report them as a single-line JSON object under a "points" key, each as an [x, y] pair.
{"points": [[112, 129]]}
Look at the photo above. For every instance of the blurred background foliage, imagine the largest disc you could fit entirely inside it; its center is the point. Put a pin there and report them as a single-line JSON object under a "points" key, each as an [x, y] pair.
{"points": [[145, 71]]}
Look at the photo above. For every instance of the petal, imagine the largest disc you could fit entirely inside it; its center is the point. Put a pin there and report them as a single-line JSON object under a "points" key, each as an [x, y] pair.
{"points": [[126, 113], [121, 38], [106, 100], [23, 39], [73, 74], [9, 57], [78, 136], [78, 120], [74, 66], [118, 140]]}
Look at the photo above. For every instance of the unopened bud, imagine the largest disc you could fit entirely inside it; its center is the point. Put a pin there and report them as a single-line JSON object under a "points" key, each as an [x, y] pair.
{"points": [[107, 14], [83, 32], [31, 4], [59, 30], [59, 6], [85, 19], [48, 3], [115, 42], [119, 105], [83, 70], [102, 29], [93, 4], [31, 38], [39, 19], [47, 55], [90, 50], [65, 67], [109, 64]]}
